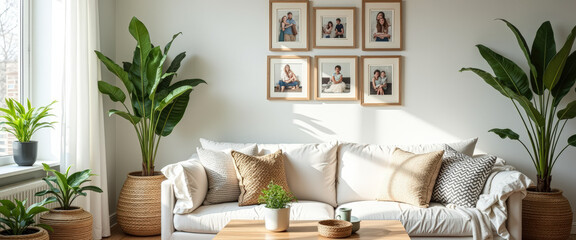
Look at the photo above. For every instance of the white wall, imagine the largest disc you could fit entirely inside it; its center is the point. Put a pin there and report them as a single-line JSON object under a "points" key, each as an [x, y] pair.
{"points": [[227, 45]]}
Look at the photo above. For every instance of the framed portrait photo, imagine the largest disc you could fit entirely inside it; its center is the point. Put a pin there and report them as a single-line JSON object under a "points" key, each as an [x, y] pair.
{"points": [[381, 80], [381, 25], [288, 78], [334, 27], [288, 25], [336, 78]]}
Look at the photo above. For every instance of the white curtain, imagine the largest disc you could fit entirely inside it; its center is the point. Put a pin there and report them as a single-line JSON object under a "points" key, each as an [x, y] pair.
{"points": [[75, 37]]}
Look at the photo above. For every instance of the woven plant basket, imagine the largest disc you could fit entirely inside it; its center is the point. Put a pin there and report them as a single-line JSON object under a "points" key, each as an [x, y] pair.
{"points": [[40, 235], [546, 216], [138, 209], [74, 224], [334, 228]]}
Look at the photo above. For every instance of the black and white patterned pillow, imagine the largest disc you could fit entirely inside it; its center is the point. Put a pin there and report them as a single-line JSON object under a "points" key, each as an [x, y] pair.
{"points": [[461, 178]]}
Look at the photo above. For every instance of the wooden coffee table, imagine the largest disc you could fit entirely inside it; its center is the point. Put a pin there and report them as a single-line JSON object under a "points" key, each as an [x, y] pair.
{"points": [[301, 230]]}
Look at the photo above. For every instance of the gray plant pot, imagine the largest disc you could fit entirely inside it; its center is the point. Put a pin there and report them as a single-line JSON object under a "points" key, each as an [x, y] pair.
{"points": [[25, 153]]}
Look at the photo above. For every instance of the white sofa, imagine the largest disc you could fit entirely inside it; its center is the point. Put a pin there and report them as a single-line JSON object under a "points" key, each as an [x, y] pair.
{"points": [[327, 176]]}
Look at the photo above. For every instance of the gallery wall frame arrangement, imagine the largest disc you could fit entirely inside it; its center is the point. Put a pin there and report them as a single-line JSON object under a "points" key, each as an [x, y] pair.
{"points": [[334, 27], [382, 25], [336, 78], [288, 25], [289, 78], [381, 80]]}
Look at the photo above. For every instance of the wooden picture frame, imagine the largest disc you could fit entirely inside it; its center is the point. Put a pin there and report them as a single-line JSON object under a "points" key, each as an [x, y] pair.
{"points": [[325, 67], [282, 86], [385, 35], [341, 33], [294, 37], [388, 91]]}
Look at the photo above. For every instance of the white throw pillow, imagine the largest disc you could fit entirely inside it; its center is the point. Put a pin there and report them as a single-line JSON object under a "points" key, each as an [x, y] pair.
{"points": [[222, 181], [360, 166], [221, 146], [190, 184], [310, 169]]}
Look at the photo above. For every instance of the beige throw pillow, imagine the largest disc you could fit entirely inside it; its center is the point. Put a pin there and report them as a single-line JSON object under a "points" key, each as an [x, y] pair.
{"points": [[255, 172], [410, 177]]}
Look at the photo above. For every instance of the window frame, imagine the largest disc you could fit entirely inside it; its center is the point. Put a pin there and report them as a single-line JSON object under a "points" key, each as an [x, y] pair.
{"points": [[24, 59]]}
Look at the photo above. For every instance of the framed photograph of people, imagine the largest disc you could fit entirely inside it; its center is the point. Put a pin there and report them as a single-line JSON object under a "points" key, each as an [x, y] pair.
{"points": [[288, 25], [381, 80], [335, 78], [381, 25], [334, 27], [288, 78]]}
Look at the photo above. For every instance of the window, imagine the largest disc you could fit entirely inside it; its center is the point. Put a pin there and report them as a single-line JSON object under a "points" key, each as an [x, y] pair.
{"points": [[11, 59]]}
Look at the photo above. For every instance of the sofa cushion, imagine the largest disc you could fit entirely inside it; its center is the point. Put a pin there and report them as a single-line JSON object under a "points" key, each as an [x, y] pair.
{"points": [[222, 180], [190, 184], [212, 218], [359, 164], [256, 172], [437, 220], [462, 178], [410, 177], [304, 164]]}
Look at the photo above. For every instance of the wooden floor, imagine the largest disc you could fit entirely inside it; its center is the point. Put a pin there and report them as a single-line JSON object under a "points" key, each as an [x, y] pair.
{"points": [[117, 234]]}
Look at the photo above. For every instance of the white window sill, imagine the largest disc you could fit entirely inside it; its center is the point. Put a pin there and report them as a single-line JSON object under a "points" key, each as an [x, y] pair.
{"points": [[15, 170]]}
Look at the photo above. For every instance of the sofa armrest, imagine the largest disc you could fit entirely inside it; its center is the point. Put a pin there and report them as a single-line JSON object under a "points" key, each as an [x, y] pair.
{"points": [[514, 222], [167, 215]]}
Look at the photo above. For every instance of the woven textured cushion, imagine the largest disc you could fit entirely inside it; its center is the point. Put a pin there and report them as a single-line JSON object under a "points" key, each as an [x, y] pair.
{"points": [[222, 181], [461, 178], [410, 177], [256, 172]]}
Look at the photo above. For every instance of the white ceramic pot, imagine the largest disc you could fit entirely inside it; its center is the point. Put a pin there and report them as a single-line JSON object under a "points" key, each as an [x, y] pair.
{"points": [[277, 220]]}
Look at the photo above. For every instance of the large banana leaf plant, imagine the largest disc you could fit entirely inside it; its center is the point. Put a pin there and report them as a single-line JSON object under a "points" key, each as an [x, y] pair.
{"points": [[539, 93], [157, 105]]}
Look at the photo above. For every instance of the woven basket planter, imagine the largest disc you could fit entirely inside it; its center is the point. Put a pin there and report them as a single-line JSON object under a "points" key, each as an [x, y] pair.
{"points": [[139, 204], [546, 216], [41, 234], [73, 224]]}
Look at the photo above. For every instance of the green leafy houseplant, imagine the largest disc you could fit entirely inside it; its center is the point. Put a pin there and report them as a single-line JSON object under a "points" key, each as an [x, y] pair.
{"points": [[66, 187], [275, 197], [156, 104], [17, 218], [23, 122], [552, 75]]}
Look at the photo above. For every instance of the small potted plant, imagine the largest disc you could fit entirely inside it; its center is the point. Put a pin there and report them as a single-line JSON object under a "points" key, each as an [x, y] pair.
{"points": [[68, 221], [18, 221], [277, 209], [23, 122]]}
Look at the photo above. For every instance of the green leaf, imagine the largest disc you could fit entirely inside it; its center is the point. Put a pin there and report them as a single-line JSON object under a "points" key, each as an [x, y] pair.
{"points": [[567, 80], [171, 96], [572, 140], [543, 50], [167, 47], [154, 70], [555, 68], [131, 118], [78, 178], [524, 46], [47, 227], [174, 66], [529, 108], [116, 70], [490, 80], [115, 93], [140, 33], [510, 74], [505, 133], [91, 188], [9, 204], [569, 112]]}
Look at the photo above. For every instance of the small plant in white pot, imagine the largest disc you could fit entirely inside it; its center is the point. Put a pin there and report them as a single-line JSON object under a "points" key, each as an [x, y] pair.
{"points": [[277, 209]]}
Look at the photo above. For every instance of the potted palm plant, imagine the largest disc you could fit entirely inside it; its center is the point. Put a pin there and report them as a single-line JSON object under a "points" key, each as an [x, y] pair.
{"points": [[277, 208], [23, 122], [68, 221], [18, 221], [157, 105], [552, 74]]}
